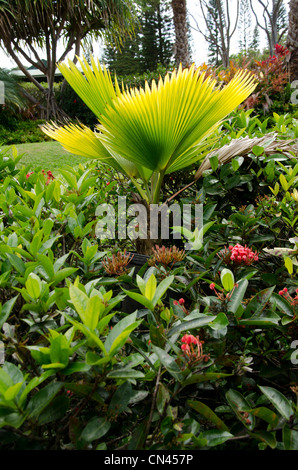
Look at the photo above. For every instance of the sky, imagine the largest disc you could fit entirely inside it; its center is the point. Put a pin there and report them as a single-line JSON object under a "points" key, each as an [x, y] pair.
{"points": [[199, 45]]}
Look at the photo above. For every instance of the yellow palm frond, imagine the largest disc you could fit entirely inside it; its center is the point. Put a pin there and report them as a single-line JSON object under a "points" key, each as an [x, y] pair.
{"points": [[80, 140], [93, 85], [77, 139]]}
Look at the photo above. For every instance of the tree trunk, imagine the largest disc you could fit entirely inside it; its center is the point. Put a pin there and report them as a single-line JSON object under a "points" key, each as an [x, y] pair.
{"points": [[144, 246], [292, 40], [54, 111], [180, 22]]}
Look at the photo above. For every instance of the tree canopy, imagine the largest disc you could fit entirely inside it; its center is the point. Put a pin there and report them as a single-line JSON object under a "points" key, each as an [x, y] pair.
{"points": [[27, 25]]}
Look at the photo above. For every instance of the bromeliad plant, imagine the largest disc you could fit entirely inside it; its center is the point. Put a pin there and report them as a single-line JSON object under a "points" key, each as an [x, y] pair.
{"points": [[148, 133]]}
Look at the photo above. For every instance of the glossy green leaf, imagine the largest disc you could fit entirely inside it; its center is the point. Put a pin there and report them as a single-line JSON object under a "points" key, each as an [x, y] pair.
{"points": [[266, 437], [240, 405], [125, 373], [122, 326], [55, 411], [95, 429], [42, 399], [122, 338], [79, 300], [192, 324], [33, 286], [140, 298], [258, 303], [216, 437], [237, 296], [6, 310], [169, 363], [120, 399], [279, 401], [11, 392], [266, 414], [227, 279], [208, 414], [162, 288], [283, 305], [220, 322], [150, 287], [290, 438]]}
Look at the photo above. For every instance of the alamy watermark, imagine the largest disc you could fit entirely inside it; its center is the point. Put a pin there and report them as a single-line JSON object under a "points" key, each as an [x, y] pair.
{"points": [[294, 95], [294, 355], [155, 222]]}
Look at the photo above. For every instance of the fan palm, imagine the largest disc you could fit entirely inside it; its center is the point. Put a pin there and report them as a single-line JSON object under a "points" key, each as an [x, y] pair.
{"points": [[148, 133]]}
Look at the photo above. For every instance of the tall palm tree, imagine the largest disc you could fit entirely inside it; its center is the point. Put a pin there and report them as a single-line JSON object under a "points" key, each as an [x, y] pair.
{"points": [[292, 41], [182, 54]]}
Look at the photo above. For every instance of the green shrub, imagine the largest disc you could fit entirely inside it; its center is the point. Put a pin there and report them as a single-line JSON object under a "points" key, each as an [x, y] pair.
{"points": [[209, 358], [22, 132]]}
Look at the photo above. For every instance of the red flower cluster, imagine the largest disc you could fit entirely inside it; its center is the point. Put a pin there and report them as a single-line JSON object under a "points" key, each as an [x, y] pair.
{"points": [[281, 50], [180, 302], [292, 300], [239, 254], [193, 349], [189, 339], [49, 177]]}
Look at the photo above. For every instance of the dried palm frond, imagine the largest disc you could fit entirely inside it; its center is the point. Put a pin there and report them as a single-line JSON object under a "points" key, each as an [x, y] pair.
{"points": [[243, 146]]}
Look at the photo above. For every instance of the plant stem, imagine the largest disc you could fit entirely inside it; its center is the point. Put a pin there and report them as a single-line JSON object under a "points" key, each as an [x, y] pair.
{"points": [[153, 402], [157, 187], [140, 189]]}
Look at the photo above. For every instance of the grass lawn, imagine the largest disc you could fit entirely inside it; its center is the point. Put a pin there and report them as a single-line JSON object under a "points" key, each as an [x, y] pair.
{"points": [[49, 155]]}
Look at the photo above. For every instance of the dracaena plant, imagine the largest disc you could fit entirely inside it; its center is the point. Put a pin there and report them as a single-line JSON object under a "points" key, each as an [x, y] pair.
{"points": [[148, 133]]}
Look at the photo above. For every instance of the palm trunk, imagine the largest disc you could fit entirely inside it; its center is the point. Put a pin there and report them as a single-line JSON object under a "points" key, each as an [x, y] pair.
{"points": [[181, 44], [292, 41]]}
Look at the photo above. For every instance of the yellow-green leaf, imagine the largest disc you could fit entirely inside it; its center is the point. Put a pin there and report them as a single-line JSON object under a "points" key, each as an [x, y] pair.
{"points": [[150, 287]]}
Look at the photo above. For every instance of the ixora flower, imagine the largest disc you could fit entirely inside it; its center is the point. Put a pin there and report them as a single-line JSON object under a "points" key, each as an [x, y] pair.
{"points": [[192, 348], [117, 263], [285, 294], [166, 256], [49, 177], [239, 255]]}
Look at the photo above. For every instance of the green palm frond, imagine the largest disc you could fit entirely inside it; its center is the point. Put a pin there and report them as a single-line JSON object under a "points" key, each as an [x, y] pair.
{"points": [[94, 84], [161, 127]]}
